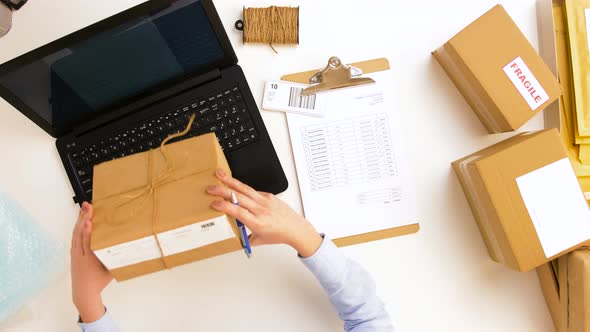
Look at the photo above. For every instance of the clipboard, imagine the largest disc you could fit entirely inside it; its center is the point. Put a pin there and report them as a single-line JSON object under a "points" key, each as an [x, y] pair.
{"points": [[367, 67]]}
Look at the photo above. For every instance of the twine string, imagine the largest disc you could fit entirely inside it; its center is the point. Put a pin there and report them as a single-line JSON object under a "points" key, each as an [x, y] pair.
{"points": [[271, 25], [148, 191]]}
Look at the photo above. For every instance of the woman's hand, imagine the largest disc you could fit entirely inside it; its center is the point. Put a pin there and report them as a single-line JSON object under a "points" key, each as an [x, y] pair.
{"points": [[270, 219], [89, 276]]}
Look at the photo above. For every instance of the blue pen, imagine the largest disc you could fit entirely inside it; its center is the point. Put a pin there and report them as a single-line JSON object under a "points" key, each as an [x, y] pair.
{"points": [[243, 234]]}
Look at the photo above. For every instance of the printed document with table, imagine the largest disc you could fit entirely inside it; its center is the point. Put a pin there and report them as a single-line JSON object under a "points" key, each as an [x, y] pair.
{"points": [[352, 174]]}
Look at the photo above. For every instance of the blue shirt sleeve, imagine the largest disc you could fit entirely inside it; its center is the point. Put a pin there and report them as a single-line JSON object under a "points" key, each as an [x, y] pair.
{"points": [[104, 324], [350, 289]]}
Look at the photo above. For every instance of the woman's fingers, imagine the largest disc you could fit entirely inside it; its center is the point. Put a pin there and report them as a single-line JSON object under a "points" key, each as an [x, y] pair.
{"points": [[225, 193], [86, 213], [76, 238], [237, 212], [237, 185], [87, 231]]}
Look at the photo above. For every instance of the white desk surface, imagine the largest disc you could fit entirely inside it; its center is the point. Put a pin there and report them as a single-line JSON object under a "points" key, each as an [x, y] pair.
{"points": [[440, 279]]}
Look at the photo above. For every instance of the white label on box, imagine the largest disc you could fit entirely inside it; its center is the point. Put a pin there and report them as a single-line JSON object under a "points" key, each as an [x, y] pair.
{"points": [[587, 12], [556, 205], [129, 253], [194, 236], [525, 82], [286, 97]]}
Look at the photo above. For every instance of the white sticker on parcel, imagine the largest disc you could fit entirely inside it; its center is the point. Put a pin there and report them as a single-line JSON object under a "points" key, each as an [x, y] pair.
{"points": [[129, 253], [195, 235], [556, 205]]}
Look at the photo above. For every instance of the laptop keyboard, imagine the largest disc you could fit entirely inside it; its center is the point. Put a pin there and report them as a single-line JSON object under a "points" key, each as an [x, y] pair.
{"points": [[223, 113]]}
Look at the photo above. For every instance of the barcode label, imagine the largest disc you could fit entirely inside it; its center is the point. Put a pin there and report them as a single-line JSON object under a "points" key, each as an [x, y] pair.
{"points": [[299, 101], [196, 235], [286, 97], [207, 225]]}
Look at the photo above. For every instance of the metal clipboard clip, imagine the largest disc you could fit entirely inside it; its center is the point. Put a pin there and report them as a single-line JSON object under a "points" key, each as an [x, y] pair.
{"points": [[336, 76]]}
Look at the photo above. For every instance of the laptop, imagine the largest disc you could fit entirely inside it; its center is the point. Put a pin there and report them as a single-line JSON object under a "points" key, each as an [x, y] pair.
{"points": [[122, 85]]}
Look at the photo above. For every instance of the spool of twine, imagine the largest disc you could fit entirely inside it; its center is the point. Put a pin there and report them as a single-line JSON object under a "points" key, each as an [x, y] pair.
{"points": [[272, 25]]}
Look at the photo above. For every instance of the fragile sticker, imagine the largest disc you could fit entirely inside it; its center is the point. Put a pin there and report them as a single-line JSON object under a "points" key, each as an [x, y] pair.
{"points": [[526, 83]]}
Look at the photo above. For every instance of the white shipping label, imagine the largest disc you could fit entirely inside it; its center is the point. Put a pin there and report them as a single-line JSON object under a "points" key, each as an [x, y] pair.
{"points": [[196, 235], [286, 97], [526, 83], [556, 205], [129, 253]]}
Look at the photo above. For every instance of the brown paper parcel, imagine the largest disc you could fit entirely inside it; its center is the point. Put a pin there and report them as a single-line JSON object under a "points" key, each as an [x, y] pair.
{"points": [[160, 192], [574, 282]]}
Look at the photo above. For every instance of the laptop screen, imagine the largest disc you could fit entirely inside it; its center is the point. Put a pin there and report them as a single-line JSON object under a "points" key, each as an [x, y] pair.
{"points": [[90, 75]]}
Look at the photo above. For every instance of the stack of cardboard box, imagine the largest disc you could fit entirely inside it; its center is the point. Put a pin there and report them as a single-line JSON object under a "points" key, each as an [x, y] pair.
{"points": [[529, 193]]}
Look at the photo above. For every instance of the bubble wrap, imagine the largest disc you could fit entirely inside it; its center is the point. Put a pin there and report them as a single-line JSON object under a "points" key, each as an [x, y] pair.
{"points": [[29, 257]]}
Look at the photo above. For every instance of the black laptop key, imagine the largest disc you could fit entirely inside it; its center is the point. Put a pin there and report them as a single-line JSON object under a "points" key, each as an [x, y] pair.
{"points": [[223, 113], [83, 172], [180, 121], [104, 152]]}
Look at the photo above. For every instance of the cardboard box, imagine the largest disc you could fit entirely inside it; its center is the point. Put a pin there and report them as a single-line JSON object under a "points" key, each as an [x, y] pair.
{"points": [[574, 291], [503, 79], [548, 279], [526, 199], [151, 210]]}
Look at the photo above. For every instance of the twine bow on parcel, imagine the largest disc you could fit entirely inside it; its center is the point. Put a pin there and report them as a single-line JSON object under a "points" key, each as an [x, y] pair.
{"points": [[148, 191]]}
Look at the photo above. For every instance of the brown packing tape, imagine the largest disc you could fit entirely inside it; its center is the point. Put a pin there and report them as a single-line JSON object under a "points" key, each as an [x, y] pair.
{"points": [[477, 210], [469, 87], [574, 281], [563, 294], [547, 275], [369, 66]]}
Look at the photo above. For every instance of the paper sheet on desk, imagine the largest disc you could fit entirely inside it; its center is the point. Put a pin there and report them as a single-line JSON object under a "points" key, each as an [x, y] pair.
{"points": [[352, 175]]}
